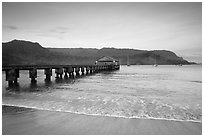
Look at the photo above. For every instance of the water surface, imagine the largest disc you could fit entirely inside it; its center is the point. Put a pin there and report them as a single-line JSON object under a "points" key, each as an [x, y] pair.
{"points": [[163, 92]]}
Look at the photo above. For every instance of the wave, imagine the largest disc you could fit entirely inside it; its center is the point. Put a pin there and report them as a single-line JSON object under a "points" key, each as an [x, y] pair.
{"points": [[104, 115]]}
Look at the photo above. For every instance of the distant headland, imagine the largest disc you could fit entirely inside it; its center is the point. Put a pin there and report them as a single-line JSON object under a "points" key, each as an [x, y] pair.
{"points": [[19, 52]]}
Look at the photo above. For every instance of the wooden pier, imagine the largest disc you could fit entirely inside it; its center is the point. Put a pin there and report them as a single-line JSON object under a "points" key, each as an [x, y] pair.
{"points": [[66, 71]]}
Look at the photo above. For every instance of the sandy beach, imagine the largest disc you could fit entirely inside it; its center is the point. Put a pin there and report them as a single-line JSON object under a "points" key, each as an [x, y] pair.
{"points": [[26, 121]]}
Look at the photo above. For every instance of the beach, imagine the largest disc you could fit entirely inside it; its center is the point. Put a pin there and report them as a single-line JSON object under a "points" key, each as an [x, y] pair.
{"points": [[28, 121]]}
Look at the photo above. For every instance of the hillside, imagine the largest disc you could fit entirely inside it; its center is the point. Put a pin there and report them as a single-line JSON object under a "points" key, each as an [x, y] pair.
{"points": [[139, 57], [23, 52], [18, 52]]}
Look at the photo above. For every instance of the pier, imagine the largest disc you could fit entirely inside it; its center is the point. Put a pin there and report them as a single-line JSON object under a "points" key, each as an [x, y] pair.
{"points": [[66, 71]]}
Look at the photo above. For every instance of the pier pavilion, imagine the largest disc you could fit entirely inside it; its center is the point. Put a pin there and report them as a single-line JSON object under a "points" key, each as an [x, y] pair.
{"points": [[106, 60]]}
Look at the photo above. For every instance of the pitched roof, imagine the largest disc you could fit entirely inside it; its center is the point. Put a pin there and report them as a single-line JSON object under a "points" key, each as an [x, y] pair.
{"points": [[107, 58]]}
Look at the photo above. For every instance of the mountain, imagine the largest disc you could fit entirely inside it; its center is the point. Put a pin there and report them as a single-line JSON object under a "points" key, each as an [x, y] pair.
{"points": [[18, 52], [23, 52], [88, 52]]}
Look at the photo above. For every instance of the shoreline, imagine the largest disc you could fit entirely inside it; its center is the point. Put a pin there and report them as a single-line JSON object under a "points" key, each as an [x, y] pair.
{"points": [[30, 121], [78, 113]]}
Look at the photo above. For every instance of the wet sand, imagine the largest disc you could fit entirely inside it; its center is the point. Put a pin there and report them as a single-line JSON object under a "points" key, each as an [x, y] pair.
{"points": [[24, 121]]}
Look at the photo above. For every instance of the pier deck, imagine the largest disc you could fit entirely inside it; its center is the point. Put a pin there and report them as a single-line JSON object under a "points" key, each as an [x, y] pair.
{"points": [[69, 71]]}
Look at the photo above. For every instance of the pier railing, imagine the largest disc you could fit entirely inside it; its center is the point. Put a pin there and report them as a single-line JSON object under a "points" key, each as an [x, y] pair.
{"points": [[68, 71]]}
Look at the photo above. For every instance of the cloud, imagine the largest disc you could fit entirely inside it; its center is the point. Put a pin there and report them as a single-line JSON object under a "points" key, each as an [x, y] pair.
{"points": [[60, 30], [11, 27]]}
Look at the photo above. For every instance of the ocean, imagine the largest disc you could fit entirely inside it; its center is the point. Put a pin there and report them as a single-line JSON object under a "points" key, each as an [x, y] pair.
{"points": [[139, 91]]}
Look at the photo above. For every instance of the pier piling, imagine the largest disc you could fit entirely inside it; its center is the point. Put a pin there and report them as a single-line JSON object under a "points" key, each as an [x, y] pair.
{"points": [[65, 73], [82, 70], [10, 76], [71, 72], [33, 74], [77, 71], [48, 73], [59, 72], [16, 76], [87, 70]]}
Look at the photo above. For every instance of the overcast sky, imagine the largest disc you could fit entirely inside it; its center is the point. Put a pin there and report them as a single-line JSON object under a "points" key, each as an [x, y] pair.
{"points": [[170, 26]]}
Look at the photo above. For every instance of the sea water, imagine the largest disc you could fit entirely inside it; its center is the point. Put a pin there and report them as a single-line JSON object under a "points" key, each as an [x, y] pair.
{"points": [[141, 91]]}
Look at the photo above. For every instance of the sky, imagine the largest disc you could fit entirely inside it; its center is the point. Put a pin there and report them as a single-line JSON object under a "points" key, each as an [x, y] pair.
{"points": [[147, 26]]}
